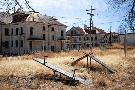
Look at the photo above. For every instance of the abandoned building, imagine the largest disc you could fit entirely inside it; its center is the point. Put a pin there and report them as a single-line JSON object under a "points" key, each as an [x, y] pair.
{"points": [[28, 32], [130, 38], [78, 38]]}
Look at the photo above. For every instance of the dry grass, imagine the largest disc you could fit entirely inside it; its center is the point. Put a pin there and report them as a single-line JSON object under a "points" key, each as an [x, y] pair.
{"points": [[23, 73]]}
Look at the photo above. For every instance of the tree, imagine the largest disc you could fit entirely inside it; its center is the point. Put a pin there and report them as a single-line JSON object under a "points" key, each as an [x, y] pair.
{"points": [[14, 5], [130, 7]]}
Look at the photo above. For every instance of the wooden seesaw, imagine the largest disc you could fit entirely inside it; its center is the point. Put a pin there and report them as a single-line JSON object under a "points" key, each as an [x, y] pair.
{"points": [[55, 68], [92, 57]]}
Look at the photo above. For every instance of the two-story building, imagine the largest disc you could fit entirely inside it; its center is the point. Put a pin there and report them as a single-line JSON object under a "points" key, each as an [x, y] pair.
{"points": [[78, 38], [30, 31]]}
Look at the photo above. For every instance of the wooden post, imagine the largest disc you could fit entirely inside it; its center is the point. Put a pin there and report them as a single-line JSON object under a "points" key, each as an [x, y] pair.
{"points": [[54, 75], [44, 59], [88, 64], [90, 61], [125, 44], [74, 73]]}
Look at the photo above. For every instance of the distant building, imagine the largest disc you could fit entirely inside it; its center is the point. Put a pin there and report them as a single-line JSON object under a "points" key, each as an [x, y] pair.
{"points": [[29, 32], [130, 38], [78, 38]]}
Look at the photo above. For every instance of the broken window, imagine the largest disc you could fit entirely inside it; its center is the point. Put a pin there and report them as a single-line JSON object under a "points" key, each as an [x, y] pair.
{"points": [[17, 29], [31, 31], [53, 38], [12, 43], [16, 42], [6, 44], [30, 45], [6, 32], [96, 38], [12, 31], [79, 38], [21, 43], [71, 32], [52, 28], [43, 28], [52, 48], [21, 30], [91, 38], [62, 33], [44, 36], [87, 38]]}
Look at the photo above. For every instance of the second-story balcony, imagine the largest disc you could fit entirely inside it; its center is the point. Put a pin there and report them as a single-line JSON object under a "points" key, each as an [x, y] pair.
{"points": [[34, 38], [61, 38]]}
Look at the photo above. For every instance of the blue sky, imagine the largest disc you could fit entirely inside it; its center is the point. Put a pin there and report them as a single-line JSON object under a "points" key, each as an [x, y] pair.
{"points": [[72, 12]]}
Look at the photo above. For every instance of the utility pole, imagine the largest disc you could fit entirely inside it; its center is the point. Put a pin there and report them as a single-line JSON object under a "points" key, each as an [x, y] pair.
{"points": [[90, 12], [91, 15], [110, 39]]}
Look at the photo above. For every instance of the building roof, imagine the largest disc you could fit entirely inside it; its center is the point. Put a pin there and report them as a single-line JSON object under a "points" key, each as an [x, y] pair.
{"points": [[95, 30], [5, 17], [75, 31], [19, 17], [22, 16]]}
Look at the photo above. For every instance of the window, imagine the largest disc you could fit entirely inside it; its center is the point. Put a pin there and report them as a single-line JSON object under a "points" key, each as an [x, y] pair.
{"points": [[6, 44], [87, 45], [21, 30], [52, 37], [12, 43], [92, 44], [44, 47], [6, 32], [91, 38], [16, 43], [79, 38], [21, 43], [52, 48], [31, 31], [87, 38], [12, 31], [43, 28], [44, 36], [17, 29], [95, 38], [71, 32], [30, 45], [84, 38], [62, 33], [52, 28]]}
